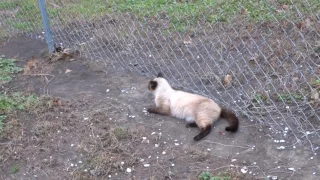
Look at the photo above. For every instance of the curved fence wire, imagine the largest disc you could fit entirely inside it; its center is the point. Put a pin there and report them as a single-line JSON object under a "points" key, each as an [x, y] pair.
{"points": [[261, 58]]}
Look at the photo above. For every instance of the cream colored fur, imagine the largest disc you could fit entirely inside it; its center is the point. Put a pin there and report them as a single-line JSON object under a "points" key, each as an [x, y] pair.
{"points": [[190, 107]]}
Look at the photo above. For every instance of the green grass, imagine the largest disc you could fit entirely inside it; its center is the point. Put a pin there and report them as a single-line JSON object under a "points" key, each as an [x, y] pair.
{"points": [[12, 101], [260, 98], [315, 83], [182, 16], [2, 118], [210, 176], [289, 98], [15, 169], [16, 101], [7, 70], [120, 133]]}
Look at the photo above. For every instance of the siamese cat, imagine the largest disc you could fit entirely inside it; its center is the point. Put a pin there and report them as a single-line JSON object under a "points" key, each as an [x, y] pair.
{"points": [[196, 110]]}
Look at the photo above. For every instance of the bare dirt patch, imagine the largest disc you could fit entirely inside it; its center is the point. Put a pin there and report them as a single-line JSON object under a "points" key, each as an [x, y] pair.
{"points": [[92, 124]]}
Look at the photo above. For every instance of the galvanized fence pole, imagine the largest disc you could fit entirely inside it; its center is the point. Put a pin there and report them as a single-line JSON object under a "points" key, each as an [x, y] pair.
{"points": [[46, 25]]}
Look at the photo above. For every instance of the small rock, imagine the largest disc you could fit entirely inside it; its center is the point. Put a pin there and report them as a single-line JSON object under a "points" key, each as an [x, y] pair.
{"points": [[233, 160], [146, 165], [244, 169], [274, 177], [291, 169], [128, 170]]}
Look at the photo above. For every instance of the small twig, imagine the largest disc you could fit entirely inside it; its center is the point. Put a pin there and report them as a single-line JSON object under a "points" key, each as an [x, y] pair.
{"points": [[40, 75], [227, 145]]}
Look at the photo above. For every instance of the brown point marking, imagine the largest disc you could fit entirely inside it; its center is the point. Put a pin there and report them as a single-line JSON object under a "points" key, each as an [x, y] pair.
{"points": [[158, 110], [160, 74], [204, 132], [231, 118], [193, 124], [152, 85]]}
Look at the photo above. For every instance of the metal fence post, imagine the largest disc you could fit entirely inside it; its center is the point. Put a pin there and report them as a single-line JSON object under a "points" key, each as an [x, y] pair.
{"points": [[46, 24]]}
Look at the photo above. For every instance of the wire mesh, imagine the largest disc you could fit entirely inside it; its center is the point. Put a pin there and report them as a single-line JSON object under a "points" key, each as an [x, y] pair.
{"points": [[260, 58]]}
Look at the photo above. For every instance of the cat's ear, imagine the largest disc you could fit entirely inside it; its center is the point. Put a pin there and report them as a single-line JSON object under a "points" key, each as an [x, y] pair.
{"points": [[160, 74]]}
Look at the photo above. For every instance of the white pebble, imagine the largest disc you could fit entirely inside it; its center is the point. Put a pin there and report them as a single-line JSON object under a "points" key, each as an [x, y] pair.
{"points": [[72, 145], [107, 90], [172, 164], [291, 169], [153, 133], [244, 170], [163, 152], [177, 144], [122, 163], [233, 160], [146, 165], [128, 170], [156, 145]]}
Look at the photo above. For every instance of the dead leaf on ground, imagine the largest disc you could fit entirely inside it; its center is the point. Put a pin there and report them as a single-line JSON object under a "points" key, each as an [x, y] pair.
{"points": [[284, 6], [67, 71], [304, 24], [244, 11], [227, 80], [315, 95], [31, 64], [57, 102], [187, 40]]}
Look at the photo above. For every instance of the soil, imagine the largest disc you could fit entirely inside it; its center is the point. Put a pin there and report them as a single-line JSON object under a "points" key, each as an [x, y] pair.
{"points": [[96, 128]]}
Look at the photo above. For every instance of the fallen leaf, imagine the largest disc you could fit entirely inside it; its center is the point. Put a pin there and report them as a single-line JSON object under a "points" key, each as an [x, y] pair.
{"points": [[187, 40], [57, 102], [315, 95], [304, 24], [227, 80], [244, 11], [31, 64], [67, 71], [284, 6]]}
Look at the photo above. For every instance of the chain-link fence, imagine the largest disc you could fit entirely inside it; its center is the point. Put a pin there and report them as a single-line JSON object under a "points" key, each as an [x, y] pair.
{"points": [[260, 57]]}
